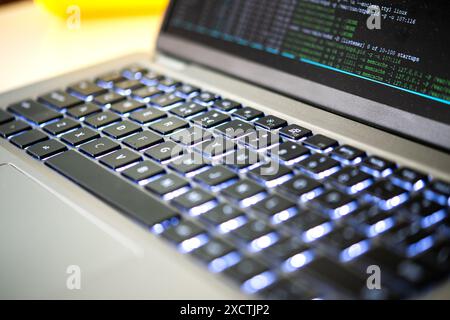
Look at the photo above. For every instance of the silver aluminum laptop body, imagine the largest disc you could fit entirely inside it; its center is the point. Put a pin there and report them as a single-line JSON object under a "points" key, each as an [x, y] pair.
{"points": [[48, 224]]}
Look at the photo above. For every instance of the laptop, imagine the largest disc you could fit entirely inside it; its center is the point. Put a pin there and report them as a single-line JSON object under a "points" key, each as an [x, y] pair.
{"points": [[269, 149]]}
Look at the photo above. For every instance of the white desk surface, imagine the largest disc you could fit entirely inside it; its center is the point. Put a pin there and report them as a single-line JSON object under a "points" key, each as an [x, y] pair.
{"points": [[36, 45]]}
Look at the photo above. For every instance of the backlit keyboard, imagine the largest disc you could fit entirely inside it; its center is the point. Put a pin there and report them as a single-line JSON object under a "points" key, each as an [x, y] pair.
{"points": [[284, 212]]}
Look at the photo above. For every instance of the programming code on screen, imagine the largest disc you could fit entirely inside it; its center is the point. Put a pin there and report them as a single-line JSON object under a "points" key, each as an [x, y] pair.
{"points": [[408, 52]]}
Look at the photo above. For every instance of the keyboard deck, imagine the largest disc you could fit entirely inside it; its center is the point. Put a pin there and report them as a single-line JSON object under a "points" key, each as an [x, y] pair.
{"points": [[283, 212]]}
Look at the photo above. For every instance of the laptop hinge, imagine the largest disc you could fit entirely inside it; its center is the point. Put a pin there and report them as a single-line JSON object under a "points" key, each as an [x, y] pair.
{"points": [[170, 61]]}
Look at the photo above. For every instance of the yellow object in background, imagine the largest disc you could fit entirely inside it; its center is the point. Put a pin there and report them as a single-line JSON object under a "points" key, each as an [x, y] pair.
{"points": [[104, 8]]}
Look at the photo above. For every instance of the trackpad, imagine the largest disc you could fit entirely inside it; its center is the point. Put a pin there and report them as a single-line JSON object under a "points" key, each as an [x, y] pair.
{"points": [[44, 240]]}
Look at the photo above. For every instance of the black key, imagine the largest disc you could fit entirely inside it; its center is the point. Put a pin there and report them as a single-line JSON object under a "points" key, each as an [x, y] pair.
{"points": [[83, 110], [387, 194], [411, 241], [134, 72], [5, 117], [319, 166], [221, 214], [125, 87], [272, 205], [206, 97], [108, 98], [126, 106], [33, 111], [235, 129], [372, 218], [295, 132], [120, 158], [302, 187], [146, 93], [188, 163], [99, 147], [348, 154], [13, 127], [289, 151], [336, 276], [107, 80], [102, 119], [261, 139], [80, 136], [211, 118], [437, 257], [169, 83], [377, 166], [342, 238], [320, 143], [166, 184], [182, 231], [351, 179], [269, 172], [252, 230], [121, 129], [46, 149], [143, 170], [216, 176], [409, 179], [216, 147], [164, 151], [59, 99], [147, 115], [86, 89], [143, 140], [242, 158], [28, 138], [111, 188], [421, 206], [245, 269], [248, 113], [439, 191], [166, 100], [188, 109], [397, 265], [336, 203], [61, 126], [271, 122], [168, 125], [307, 220], [191, 136], [215, 248], [242, 190], [193, 198], [187, 90], [286, 249], [226, 105], [364, 212], [151, 78]]}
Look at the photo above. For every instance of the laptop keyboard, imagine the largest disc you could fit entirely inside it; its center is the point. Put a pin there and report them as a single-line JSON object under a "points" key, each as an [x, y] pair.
{"points": [[283, 212]]}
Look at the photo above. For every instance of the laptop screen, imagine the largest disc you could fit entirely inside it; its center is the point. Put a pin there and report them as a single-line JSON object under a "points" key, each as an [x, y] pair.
{"points": [[394, 53]]}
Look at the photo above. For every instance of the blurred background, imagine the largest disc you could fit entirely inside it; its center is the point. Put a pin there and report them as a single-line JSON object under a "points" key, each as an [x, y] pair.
{"points": [[44, 38]]}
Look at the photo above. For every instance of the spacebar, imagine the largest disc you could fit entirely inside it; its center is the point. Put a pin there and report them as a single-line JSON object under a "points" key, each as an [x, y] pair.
{"points": [[111, 188]]}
